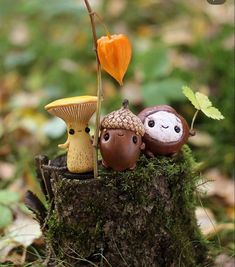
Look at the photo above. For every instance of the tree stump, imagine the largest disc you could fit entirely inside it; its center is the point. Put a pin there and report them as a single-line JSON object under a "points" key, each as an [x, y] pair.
{"points": [[144, 217]]}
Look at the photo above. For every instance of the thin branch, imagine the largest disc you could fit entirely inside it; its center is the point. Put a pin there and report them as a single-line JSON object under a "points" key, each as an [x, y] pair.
{"points": [[99, 90], [103, 24], [193, 120]]}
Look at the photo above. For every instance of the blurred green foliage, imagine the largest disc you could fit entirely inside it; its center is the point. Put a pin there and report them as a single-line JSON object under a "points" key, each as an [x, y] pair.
{"points": [[7, 199], [46, 52]]}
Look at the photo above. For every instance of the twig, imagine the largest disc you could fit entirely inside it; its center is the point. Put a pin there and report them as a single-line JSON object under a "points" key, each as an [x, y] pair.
{"points": [[103, 24], [193, 120], [99, 90]]}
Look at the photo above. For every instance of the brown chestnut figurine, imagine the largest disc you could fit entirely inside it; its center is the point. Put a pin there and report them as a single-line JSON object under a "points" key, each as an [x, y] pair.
{"points": [[165, 130], [121, 139]]}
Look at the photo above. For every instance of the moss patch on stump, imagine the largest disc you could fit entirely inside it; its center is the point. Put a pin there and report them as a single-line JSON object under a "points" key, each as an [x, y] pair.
{"points": [[144, 217]]}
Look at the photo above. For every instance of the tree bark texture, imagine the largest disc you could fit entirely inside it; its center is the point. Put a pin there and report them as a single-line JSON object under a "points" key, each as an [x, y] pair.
{"points": [[139, 218]]}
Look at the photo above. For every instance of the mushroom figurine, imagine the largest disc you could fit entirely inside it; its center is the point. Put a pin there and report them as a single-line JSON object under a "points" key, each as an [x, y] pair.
{"points": [[76, 113], [165, 130], [121, 139]]}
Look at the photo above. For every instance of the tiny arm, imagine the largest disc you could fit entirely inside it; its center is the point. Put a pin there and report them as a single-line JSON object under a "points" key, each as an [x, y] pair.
{"points": [[65, 145]]}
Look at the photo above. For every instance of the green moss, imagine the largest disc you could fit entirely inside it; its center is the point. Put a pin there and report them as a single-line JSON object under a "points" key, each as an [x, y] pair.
{"points": [[177, 170], [158, 194], [71, 242]]}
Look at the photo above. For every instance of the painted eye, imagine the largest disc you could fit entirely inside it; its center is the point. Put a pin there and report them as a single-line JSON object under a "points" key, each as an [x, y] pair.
{"points": [[87, 129], [71, 131], [177, 129], [134, 139], [106, 137], [151, 123]]}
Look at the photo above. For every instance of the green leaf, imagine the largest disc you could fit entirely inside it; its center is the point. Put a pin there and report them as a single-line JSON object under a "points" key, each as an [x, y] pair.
{"points": [[163, 92], [203, 100], [16, 59], [213, 113], [51, 8], [24, 209], [6, 216], [8, 197], [188, 92], [153, 63], [203, 103], [51, 125], [207, 108]]}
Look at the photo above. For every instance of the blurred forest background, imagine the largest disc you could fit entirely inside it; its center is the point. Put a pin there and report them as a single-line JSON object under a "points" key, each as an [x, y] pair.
{"points": [[46, 52]]}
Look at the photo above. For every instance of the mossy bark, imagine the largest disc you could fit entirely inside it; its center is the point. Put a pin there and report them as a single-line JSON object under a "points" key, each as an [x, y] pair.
{"points": [[144, 217]]}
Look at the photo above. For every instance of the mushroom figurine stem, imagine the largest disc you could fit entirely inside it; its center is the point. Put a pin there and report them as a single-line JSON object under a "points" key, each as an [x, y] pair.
{"points": [[79, 145], [76, 112]]}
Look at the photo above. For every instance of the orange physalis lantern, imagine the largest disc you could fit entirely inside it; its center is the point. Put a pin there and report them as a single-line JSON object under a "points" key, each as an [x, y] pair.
{"points": [[114, 52]]}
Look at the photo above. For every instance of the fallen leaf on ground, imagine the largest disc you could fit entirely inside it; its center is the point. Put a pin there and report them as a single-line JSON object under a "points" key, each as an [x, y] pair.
{"points": [[183, 60], [7, 170], [219, 185], [208, 224], [206, 220], [21, 233], [178, 32], [224, 260], [201, 139], [19, 34]]}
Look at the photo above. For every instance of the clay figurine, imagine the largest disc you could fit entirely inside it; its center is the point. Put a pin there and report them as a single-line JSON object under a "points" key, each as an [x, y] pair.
{"points": [[76, 112], [121, 139], [165, 130]]}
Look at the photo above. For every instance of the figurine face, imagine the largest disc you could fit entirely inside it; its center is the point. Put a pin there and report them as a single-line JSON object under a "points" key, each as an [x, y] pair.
{"points": [[165, 130], [120, 148], [164, 126]]}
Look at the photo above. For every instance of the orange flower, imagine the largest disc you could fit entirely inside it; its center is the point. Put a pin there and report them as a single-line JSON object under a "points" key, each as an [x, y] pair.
{"points": [[114, 52]]}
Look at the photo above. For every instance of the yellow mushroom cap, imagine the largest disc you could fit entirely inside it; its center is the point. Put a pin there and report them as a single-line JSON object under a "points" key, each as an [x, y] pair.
{"points": [[70, 109]]}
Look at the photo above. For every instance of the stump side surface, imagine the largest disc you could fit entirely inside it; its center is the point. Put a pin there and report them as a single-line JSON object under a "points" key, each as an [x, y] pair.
{"points": [[136, 218]]}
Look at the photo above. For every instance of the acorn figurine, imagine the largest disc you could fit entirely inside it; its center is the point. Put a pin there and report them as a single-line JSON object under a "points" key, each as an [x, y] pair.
{"points": [[121, 139], [165, 130]]}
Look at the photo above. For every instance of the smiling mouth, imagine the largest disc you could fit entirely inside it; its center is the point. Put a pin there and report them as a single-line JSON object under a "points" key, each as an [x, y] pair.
{"points": [[165, 127]]}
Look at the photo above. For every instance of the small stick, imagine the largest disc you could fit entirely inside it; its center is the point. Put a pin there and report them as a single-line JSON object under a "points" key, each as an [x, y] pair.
{"points": [[99, 90], [192, 132]]}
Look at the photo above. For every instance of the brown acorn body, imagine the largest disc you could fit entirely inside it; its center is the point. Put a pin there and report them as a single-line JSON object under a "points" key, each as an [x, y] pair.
{"points": [[121, 139], [154, 146], [120, 149]]}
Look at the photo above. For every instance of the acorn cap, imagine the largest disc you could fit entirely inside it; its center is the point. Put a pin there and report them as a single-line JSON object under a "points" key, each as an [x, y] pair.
{"points": [[73, 109], [123, 119]]}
